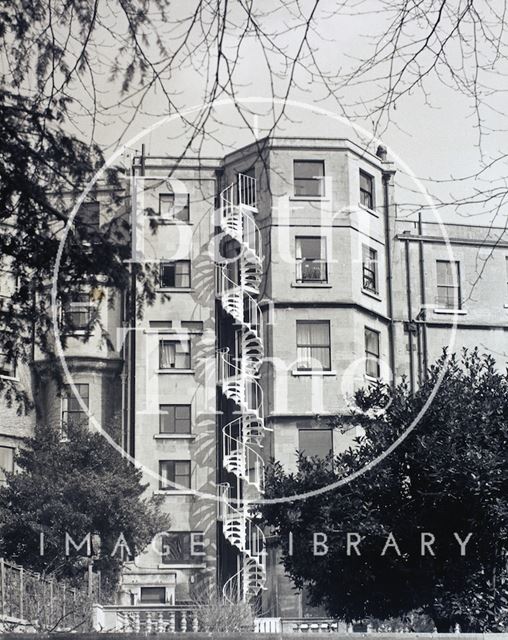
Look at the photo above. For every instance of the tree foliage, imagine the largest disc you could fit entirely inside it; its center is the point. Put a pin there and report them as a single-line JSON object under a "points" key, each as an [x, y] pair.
{"points": [[73, 71], [449, 476], [78, 486]]}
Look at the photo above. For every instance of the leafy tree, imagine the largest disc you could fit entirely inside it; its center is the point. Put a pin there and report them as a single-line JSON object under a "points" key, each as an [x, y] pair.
{"points": [[80, 486], [449, 476]]}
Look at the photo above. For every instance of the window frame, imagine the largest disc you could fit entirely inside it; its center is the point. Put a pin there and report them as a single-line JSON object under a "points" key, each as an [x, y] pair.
{"points": [[314, 346], [89, 227], [8, 371], [69, 395], [371, 193], [315, 430], [173, 476], [187, 557], [455, 288], [175, 431], [4, 470], [300, 262], [174, 218], [374, 272], [175, 264], [80, 307], [144, 588], [371, 356], [320, 181], [176, 342]]}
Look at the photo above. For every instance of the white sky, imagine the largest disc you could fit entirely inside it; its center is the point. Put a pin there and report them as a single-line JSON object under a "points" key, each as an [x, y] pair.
{"points": [[434, 133]]}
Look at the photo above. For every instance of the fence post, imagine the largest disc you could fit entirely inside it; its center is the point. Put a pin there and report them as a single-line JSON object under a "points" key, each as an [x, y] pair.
{"points": [[51, 601], [21, 592], [2, 584]]}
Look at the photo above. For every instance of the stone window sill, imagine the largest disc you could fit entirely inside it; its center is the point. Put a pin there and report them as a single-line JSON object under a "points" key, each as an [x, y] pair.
{"points": [[311, 285], [451, 312], [309, 199], [174, 492], [176, 565], [297, 372], [372, 294], [176, 371], [11, 378], [371, 211], [175, 436], [162, 220]]}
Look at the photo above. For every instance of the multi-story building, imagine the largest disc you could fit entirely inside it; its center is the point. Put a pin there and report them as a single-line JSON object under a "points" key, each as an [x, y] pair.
{"points": [[285, 283]]}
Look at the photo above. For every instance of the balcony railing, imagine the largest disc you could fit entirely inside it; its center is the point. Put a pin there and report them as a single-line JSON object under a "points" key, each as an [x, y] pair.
{"points": [[310, 270], [145, 618]]}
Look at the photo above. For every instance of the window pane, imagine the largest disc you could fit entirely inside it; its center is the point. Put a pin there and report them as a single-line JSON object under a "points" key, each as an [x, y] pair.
{"points": [[88, 216], [313, 345], [6, 368], [366, 190], [192, 325], [365, 182], [167, 278], [309, 169], [303, 332], [6, 462], [369, 268], [182, 474], [308, 178], [175, 418], [167, 355], [372, 365], [182, 273], [176, 207], [307, 187], [153, 595], [175, 274], [174, 472], [313, 333], [176, 548], [166, 473], [315, 442], [166, 418], [371, 341], [448, 284], [310, 247]]}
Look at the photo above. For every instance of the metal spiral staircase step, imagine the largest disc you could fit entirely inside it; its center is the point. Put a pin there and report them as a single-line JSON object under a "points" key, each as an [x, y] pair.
{"points": [[241, 435]]}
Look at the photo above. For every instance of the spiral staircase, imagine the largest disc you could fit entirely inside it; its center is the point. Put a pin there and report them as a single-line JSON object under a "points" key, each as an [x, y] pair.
{"points": [[238, 375]]}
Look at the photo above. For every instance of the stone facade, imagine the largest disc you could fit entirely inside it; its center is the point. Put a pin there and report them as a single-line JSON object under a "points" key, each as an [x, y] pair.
{"points": [[392, 299]]}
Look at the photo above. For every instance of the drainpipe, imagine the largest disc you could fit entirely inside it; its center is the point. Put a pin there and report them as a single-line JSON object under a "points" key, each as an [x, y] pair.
{"points": [[423, 313], [409, 319], [132, 341], [389, 278]]}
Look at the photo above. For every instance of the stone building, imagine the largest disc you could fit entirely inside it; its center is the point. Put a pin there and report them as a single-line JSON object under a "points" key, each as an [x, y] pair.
{"points": [[285, 283]]}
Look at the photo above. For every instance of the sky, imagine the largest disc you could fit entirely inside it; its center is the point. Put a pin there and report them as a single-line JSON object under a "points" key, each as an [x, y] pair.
{"points": [[432, 128]]}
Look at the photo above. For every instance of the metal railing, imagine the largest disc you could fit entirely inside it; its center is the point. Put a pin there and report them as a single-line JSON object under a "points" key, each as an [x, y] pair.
{"points": [[42, 603], [238, 378], [310, 270]]}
